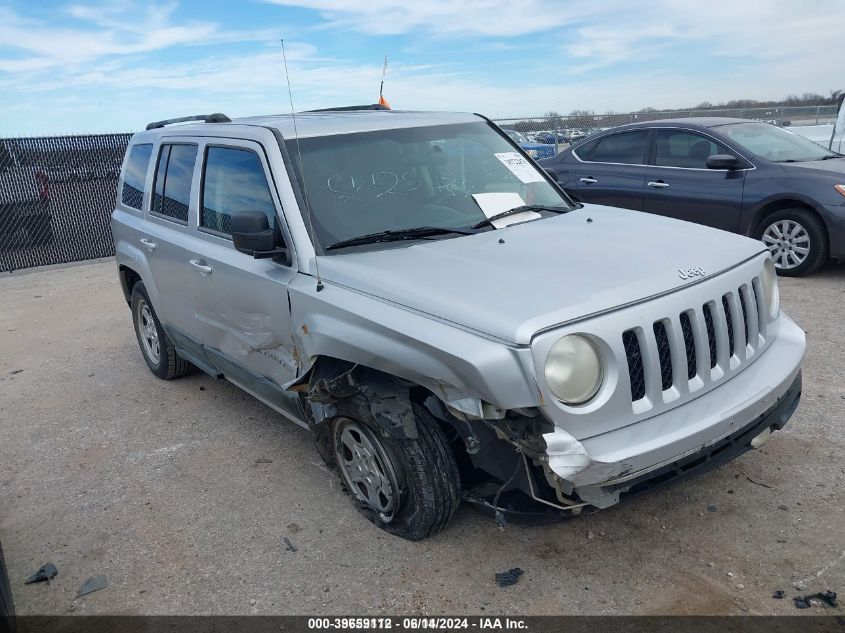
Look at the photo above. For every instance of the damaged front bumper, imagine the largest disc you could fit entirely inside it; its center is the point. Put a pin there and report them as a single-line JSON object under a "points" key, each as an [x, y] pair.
{"points": [[683, 442], [708, 458]]}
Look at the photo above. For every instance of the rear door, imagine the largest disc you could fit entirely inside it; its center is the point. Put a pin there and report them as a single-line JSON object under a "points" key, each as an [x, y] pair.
{"points": [[164, 236], [679, 184], [612, 169]]}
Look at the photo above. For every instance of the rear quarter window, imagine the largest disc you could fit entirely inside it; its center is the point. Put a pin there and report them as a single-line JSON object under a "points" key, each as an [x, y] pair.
{"points": [[135, 174]]}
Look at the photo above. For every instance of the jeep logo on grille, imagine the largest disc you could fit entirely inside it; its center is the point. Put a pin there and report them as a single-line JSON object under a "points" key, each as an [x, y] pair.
{"points": [[689, 273]]}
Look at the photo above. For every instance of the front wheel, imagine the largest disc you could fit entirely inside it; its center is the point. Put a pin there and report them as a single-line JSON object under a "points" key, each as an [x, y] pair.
{"points": [[796, 239], [409, 487]]}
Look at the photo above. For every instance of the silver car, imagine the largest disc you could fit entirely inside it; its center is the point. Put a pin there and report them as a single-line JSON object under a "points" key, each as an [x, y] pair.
{"points": [[423, 298]]}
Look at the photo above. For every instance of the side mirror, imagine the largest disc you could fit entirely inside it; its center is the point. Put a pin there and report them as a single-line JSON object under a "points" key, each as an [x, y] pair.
{"points": [[722, 161], [252, 235], [551, 172]]}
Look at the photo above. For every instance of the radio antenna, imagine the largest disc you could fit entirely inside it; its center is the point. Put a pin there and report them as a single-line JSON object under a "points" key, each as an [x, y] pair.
{"points": [[301, 172], [383, 73]]}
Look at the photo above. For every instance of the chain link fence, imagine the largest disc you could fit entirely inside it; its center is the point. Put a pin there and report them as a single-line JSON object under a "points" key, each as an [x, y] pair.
{"points": [[57, 193], [558, 131], [56, 198]]}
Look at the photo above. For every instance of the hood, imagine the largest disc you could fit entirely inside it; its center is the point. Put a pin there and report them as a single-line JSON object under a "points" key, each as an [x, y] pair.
{"points": [[830, 166], [546, 272]]}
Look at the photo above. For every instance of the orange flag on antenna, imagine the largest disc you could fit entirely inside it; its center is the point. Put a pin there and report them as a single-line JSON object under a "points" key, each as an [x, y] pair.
{"points": [[383, 101]]}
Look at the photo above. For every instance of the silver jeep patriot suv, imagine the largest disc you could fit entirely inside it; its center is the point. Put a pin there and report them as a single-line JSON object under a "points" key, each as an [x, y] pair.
{"points": [[416, 292]]}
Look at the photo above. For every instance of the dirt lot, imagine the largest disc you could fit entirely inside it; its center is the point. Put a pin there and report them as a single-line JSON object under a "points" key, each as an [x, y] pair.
{"points": [[105, 469]]}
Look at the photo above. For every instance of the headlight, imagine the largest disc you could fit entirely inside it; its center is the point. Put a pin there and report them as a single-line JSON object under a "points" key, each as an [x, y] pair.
{"points": [[573, 369], [532, 153], [840, 189], [771, 294]]}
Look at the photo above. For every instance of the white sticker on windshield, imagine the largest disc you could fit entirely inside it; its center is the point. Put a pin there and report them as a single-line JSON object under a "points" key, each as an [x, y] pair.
{"points": [[520, 167], [492, 204]]}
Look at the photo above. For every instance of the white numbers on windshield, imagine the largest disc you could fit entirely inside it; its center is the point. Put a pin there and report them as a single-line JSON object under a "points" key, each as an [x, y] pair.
{"points": [[360, 187]]}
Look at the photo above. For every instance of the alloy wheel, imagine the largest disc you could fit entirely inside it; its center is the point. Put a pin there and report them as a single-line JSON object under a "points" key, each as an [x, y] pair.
{"points": [[788, 242]]}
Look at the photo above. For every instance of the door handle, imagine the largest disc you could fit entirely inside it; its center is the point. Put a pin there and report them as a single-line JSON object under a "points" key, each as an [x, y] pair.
{"points": [[148, 244], [658, 184], [201, 266], [589, 180]]}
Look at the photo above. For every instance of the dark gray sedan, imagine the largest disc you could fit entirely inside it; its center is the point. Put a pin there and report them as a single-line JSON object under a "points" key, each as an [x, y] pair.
{"points": [[734, 174]]}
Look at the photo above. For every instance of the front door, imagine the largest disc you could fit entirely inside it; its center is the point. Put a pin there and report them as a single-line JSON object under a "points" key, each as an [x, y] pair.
{"points": [[679, 185], [242, 308]]}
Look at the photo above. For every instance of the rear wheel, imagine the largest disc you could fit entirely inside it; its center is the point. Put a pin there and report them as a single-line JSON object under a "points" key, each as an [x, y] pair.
{"points": [[796, 239], [157, 349]]}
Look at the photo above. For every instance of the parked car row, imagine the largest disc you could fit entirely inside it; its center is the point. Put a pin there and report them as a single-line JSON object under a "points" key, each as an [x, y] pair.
{"points": [[738, 175], [533, 149]]}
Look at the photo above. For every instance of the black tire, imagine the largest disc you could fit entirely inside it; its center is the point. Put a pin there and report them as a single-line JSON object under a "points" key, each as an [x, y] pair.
{"points": [[426, 474], [814, 229], [7, 607], [168, 364]]}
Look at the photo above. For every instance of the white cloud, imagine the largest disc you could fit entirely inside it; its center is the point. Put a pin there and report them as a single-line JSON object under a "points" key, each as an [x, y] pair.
{"points": [[109, 31], [98, 66], [444, 17]]}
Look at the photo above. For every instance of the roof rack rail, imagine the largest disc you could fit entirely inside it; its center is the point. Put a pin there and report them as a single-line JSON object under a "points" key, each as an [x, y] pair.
{"points": [[205, 118], [372, 106]]}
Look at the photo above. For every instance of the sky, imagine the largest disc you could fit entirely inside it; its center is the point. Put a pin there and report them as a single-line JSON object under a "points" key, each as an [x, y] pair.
{"points": [[69, 67]]}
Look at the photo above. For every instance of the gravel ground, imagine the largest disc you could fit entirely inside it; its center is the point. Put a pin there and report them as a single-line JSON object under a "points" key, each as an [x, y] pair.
{"points": [[105, 469]]}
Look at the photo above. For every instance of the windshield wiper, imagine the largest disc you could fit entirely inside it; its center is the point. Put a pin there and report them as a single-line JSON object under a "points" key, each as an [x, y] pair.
{"points": [[396, 235], [830, 156], [515, 210]]}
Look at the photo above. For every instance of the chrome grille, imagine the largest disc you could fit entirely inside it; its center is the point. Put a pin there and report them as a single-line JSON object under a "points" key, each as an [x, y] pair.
{"points": [[681, 354]]}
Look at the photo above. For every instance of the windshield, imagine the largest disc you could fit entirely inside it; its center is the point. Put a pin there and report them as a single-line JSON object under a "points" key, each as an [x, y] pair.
{"points": [[436, 176], [774, 143], [515, 136]]}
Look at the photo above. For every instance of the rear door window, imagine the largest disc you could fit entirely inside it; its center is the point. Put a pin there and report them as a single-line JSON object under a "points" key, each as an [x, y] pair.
{"points": [[135, 174], [679, 148], [233, 181], [626, 147], [172, 188]]}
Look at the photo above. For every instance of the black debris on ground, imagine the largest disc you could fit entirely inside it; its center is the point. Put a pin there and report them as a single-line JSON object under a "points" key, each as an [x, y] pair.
{"points": [[826, 598], [782, 506], [263, 460], [509, 577], [288, 545], [15, 371], [44, 574], [711, 508], [778, 595], [758, 483], [94, 583]]}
